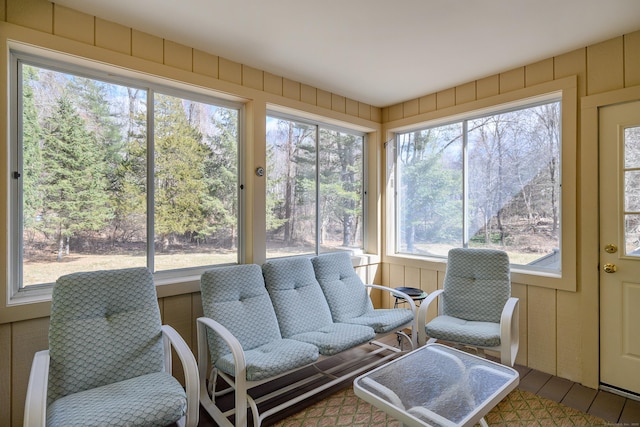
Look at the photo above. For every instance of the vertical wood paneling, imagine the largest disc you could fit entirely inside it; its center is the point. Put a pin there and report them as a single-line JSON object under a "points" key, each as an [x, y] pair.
{"points": [[572, 64], [520, 291], [351, 107], [569, 350], [446, 98], [178, 55], [308, 94], [252, 77], [395, 112], [197, 311], [28, 337], [487, 87], [412, 277], [3, 9], [427, 103], [364, 111], [147, 47], [323, 99], [396, 279], [632, 59], [230, 71], [338, 103], [411, 108], [291, 89], [205, 63], [429, 283], [5, 374], [36, 14], [178, 314], [539, 72], [465, 93], [512, 80], [541, 329], [112, 36], [273, 84], [73, 25], [605, 66]]}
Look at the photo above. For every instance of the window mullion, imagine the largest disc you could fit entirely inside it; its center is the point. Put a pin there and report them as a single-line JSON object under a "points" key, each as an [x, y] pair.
{"points": [[150, 181], [465, 185], [318, 218]]}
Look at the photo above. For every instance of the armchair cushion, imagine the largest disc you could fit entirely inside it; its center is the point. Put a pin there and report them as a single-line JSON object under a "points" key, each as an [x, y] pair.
{"points": [[105, 327], [483, 334], [155, 399]]}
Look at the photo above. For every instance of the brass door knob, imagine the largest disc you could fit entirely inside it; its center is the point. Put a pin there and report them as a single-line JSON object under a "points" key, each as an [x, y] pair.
{"points": [[611, 248], [609, 268]]}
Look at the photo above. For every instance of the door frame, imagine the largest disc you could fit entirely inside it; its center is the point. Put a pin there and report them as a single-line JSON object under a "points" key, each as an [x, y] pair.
{"points": [[589, 228]]}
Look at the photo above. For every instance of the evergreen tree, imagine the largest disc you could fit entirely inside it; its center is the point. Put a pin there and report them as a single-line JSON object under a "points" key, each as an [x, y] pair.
{"points": [[180, 187], [74, 186]]}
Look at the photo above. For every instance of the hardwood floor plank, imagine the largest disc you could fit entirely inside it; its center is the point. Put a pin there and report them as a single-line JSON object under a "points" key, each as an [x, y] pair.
{"points": [[533, 381], [607, 406], [579, 397], [630, 413], [555, 389]]}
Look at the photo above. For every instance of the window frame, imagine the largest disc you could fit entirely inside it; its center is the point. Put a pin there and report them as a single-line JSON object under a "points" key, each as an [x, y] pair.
{"points": [[279, 113], [565, 89], [60, 62]]}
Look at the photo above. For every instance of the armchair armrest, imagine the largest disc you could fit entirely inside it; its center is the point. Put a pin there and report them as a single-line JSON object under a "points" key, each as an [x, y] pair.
{"points": [[510, 331], [422, 315], [171, 338], [35, 407]]}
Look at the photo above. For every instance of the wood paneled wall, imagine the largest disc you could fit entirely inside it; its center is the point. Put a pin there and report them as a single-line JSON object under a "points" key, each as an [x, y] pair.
{"points": [[558, 329], [552, 323]]}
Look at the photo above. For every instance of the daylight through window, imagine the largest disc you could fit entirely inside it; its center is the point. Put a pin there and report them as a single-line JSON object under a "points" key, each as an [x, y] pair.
{"points": [[314, 188], [491, 181], [95, 189]]}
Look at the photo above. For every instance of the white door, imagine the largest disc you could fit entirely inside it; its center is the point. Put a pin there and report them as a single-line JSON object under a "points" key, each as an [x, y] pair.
{"points": [[619, 143]]}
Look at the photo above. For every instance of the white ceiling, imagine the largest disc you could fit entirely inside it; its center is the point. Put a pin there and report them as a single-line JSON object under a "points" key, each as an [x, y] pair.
{"points": [[377, 51]]}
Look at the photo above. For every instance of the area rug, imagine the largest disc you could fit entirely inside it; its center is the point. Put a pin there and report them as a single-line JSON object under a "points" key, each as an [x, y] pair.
{"points": [[519, 408]]}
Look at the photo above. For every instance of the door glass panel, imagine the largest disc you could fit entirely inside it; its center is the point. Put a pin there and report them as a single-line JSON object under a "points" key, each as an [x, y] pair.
{"points": [[632, 191]]}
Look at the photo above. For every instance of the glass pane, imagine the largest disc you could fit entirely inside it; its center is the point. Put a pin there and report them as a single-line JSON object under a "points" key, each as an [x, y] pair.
{"points": [[632, 235], [196, 178], [429, 199], [632, 147], [340, 163], [291, 188], [84, 175], [514, 185], [632, 191]]}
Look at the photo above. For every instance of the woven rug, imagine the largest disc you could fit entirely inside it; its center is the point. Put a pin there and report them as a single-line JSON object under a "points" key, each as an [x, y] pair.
{"points": [[519, 408]]}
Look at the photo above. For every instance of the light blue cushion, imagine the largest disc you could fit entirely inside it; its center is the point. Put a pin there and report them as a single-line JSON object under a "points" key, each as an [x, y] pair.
{"points": [[105, 327], [447, 328], [155, 399], [297, 297], [476, 285], [302, 310], [346, 294], [348, 298], [272, 359], [235, 297]]}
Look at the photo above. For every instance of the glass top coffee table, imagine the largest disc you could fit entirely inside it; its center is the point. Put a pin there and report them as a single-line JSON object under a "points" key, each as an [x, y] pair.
{"points": [[437, 385]]}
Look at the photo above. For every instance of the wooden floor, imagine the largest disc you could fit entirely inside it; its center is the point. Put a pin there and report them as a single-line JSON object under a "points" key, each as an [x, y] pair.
{"points": [[612, 408]]}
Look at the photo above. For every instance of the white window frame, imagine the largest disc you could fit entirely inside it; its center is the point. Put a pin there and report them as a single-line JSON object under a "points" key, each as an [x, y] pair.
{"points": [[566, 90], [16, 294], [317, 123]]}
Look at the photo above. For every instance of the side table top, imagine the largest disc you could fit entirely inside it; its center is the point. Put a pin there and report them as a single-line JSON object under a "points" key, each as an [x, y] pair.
{"points": [[437, 385]]}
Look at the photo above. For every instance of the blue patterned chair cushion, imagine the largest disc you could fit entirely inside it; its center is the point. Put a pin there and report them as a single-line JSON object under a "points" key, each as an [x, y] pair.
{"points": [[348, 298], [155, 399], [476, 284], [345, 292], [302, 310], [483, 334], [297, 297], [105, 327], [236, 297], [272, 359], [337, 337]]}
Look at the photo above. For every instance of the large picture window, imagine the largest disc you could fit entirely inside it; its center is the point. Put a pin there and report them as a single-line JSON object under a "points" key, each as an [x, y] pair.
{"points": [[315, 182], [109, 174], [491, 181]]}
